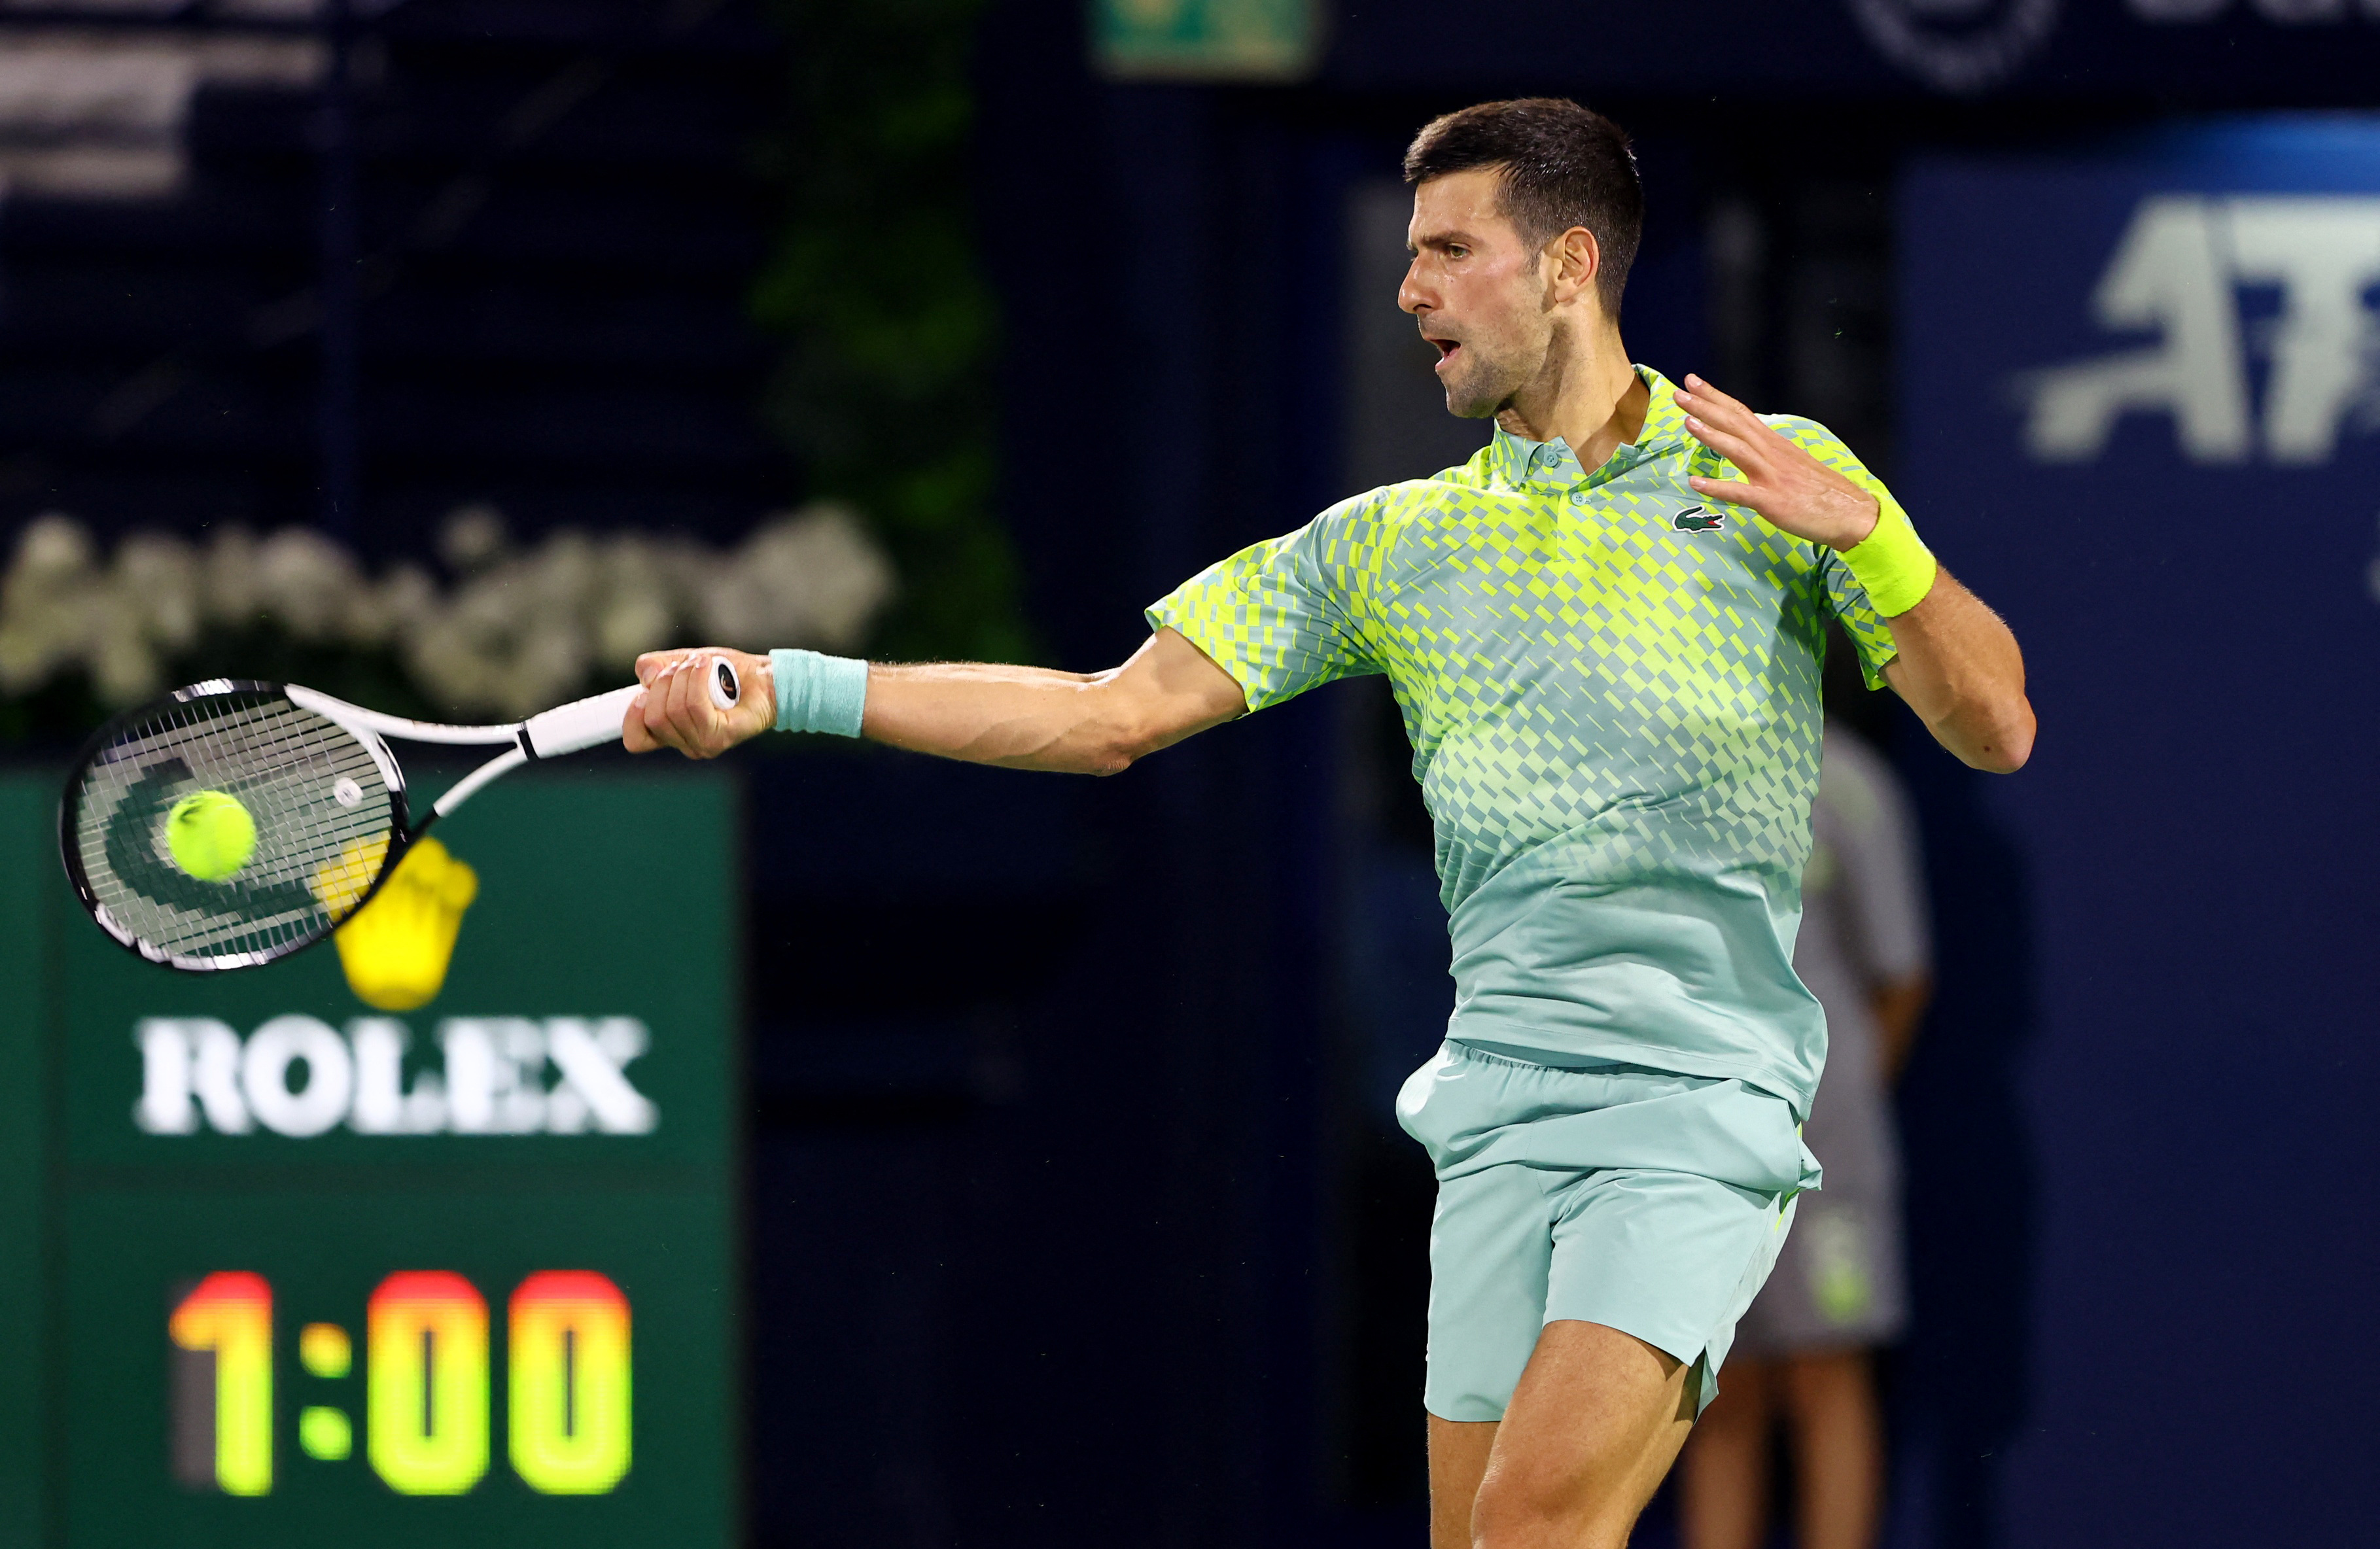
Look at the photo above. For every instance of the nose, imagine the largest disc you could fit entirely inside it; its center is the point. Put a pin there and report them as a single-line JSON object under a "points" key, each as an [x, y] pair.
{"points": [[1411, 297]]}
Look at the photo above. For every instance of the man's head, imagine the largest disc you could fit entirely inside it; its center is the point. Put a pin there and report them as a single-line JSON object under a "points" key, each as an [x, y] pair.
{"points": [[1526, 215]]}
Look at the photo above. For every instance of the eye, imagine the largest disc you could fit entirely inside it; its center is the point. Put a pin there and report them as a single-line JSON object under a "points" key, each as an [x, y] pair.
{"points": [[1456, 249]]}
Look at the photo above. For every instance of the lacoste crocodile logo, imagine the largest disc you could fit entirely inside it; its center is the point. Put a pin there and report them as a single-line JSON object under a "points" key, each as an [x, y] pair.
{"points": [[1696, 519]]}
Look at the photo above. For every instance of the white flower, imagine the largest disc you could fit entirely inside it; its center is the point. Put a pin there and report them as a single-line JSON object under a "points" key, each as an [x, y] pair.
{"points": [[403, 598], [521, 632], [635, 602], [124, 666], [53, 547], [474, 536], [812, 578], [45, 602], [307, 582], [158, 576], [512, 638], [231, 589]]}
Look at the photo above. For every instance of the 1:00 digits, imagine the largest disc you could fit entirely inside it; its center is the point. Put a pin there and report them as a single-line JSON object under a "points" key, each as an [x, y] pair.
{"points": [[426, 1383]]}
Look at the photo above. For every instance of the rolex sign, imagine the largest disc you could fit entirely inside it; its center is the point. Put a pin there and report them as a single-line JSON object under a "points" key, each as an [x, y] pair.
{"points": [[318, 1273]]}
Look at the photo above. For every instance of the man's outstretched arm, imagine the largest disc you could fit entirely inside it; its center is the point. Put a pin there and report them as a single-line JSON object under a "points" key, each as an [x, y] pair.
{"points": [[1020, 718], [1959, 666]]}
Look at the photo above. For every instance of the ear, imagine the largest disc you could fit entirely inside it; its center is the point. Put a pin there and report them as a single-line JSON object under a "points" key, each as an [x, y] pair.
{"points": [[1572, 261]]}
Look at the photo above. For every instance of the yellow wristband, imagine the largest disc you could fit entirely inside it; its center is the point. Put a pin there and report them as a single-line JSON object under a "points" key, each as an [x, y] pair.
{"points": [[1892, 562]]}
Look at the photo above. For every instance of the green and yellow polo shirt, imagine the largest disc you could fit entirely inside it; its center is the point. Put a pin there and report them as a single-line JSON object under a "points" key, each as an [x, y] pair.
{"points": [[1611, 689]]}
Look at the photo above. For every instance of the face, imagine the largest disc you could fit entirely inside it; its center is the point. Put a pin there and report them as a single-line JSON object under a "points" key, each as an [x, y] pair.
{"points": [[1477, 292]]}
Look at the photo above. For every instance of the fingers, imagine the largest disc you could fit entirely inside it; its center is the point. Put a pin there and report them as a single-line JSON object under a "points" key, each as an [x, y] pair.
{"points": [[1708, 403], [1737, 434], [1746, 454], [670, 716], [1781, 481], [649, 725], [677, 711], [692, 715], [1726, 491], [634, 736], [1753, 444], [1727, 427], [1712, 397]]}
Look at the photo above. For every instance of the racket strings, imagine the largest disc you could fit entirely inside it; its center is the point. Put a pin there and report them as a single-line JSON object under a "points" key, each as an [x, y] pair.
{"points": [[324, 820]]}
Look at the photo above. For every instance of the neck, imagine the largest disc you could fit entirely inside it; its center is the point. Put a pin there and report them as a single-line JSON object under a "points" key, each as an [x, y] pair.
{"points": [[1588, 395]]}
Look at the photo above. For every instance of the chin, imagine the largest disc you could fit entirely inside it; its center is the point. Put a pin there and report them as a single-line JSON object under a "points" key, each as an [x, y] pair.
{"points": [[1468, 398], [1463, 402]]}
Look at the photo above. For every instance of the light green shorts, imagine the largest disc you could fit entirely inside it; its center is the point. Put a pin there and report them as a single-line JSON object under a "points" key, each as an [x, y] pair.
{"points": [[1648, 1203]]}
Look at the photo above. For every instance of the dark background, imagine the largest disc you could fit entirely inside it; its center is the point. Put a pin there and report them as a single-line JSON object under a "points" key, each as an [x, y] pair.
{"points": [[1076, 1214]]}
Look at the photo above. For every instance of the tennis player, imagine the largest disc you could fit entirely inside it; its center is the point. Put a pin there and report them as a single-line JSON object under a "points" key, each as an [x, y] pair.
{"points": [[1605, 632]]}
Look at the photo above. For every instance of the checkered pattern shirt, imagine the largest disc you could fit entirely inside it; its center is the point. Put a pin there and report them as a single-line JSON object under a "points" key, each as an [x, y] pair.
{"points": [[1611, 690]]}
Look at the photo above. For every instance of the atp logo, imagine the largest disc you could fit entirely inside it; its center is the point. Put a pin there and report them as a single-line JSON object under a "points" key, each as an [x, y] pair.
{"points": [[2177, 272]]}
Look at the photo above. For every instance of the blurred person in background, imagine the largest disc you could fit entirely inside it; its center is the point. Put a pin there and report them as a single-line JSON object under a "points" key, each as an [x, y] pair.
{"points": [[1604, 630], [1805, 1349]]}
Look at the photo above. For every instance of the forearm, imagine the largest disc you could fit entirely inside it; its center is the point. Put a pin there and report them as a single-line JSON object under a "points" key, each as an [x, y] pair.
{"points": [[1025, 717], [1019, 718], [1022, 717], [1959, 669]]}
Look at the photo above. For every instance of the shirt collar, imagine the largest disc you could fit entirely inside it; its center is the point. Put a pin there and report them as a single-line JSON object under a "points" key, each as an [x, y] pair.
{"points": [[1552, 464]]}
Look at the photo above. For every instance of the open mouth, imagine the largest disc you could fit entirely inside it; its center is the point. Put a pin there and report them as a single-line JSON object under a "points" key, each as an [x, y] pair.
{"points": [[1447, 349]]}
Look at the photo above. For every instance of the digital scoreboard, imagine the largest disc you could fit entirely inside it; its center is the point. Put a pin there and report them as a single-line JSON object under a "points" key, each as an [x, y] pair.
{"points": [[278, 1268]]}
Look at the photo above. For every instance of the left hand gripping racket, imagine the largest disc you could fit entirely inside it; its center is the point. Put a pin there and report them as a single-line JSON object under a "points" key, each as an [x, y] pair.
{"points": [[316, 776]]}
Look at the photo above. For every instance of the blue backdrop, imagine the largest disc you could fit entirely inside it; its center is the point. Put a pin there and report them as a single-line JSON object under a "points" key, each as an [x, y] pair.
{"points": [[2141, 387]]}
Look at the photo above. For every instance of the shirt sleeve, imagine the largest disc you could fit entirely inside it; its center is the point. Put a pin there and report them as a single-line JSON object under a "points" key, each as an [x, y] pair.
{"points": [[1883, 879], [1843, 596], [1281, 616]]}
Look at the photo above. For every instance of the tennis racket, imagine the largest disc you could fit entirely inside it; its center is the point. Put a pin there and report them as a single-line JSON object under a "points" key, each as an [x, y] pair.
{"points": [[316, 778]]}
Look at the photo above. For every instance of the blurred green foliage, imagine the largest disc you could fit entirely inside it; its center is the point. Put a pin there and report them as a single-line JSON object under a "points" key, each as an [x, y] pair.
{"points": [[885, 389]]}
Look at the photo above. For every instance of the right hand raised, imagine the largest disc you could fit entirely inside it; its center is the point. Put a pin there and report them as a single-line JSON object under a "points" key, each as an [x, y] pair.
{"points": [[675, 710]]}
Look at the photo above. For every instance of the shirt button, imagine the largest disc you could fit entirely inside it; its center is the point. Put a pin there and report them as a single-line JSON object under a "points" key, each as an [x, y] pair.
{"points": [[1578, 500]]}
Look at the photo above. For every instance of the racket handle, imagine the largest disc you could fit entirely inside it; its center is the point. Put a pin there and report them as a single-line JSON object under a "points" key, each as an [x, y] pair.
{"points": [[726, 688], [582, 723]]}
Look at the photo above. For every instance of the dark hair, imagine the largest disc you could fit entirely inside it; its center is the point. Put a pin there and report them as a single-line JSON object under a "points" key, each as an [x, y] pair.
{"points": [[1562, 164]]}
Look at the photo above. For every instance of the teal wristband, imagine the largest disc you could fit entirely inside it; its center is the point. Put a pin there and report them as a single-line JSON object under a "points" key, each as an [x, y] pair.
{"points": [[819, 693]]}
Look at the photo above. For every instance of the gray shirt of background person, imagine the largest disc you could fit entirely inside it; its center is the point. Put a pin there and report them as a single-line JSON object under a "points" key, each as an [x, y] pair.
{"points": [[1863, 925]]}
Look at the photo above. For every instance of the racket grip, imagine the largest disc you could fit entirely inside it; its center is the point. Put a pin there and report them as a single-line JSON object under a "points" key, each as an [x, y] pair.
{"points": [[583, 723]]}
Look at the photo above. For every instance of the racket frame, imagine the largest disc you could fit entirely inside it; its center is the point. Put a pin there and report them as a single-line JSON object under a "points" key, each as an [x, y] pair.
{"points": [[570, 727], [401, 832]]}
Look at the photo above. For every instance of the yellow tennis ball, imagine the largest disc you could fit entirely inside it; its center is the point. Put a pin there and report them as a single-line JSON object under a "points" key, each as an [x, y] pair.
{"points": [[210, 835]]}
